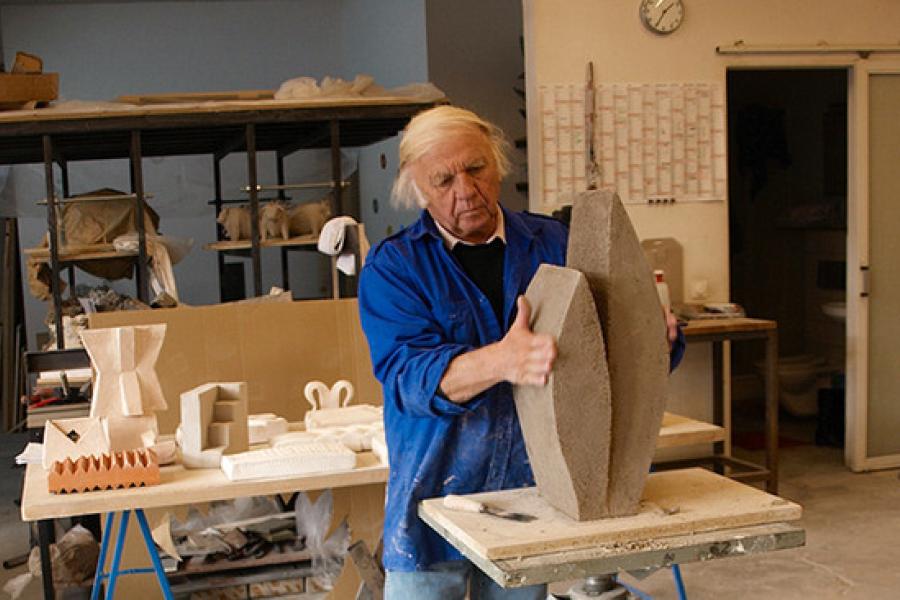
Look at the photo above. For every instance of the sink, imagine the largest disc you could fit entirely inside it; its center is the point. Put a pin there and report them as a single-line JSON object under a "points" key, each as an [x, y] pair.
{"points": [[836, 310]]}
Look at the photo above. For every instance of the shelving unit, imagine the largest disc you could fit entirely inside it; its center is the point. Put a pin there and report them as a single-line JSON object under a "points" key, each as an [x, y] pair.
{"points": [[216, 128]]}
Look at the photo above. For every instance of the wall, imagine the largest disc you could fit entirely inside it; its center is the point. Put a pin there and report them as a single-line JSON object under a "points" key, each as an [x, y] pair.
{"points": [[560, 38], [475, 56], [104, 49]]}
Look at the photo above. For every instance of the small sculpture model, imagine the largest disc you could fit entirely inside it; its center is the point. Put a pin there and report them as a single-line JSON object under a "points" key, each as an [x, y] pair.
{"points": [[132, 468], [213, 423], [288, 461], [263, 427], [236, 222], [124, 359], [71, 438], [273, 220], [310, 217], [320, 396]]}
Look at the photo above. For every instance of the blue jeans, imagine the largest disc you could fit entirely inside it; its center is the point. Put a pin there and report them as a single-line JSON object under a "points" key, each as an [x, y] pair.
{"points": [[450, 581]]}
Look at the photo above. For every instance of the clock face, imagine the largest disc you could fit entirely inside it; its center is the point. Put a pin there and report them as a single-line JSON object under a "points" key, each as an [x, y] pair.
{"points": [[662, 16]]}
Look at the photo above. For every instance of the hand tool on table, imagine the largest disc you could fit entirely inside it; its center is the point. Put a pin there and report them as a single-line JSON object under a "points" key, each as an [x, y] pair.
{"points": [[454, 502]]}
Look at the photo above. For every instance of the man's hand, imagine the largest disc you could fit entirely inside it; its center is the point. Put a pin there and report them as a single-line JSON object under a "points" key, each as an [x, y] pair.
{"points": [[527, 357], [521, 357], [671, 326]]}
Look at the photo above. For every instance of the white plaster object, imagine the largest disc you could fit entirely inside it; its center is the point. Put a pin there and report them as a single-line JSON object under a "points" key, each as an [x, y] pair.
{"points": [[321, 396], [288, 461], [264, 427], [361, 414], [89, 438], [213, 423], [125, 360]]}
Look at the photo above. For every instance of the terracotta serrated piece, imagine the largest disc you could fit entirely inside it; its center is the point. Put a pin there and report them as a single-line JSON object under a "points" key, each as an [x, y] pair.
{"points": [[131, 468]]}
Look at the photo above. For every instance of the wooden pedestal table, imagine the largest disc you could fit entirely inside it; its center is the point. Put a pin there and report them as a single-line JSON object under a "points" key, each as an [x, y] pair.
{"points": [[686, 515], [178, 486], [719, 331]]}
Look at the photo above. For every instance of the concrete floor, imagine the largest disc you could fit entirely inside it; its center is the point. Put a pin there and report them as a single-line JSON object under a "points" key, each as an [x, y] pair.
{"points": [[852, 523]]}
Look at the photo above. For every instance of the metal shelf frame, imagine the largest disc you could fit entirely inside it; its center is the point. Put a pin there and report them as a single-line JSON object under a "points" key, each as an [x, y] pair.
{"points": [[285, 128]]}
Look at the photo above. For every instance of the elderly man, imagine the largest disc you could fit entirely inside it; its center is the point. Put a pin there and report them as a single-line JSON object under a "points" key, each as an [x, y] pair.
{"points": [[442, 307]]}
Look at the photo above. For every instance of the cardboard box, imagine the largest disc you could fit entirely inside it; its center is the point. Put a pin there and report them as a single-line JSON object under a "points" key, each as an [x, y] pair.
{"points": [[275, 347]]}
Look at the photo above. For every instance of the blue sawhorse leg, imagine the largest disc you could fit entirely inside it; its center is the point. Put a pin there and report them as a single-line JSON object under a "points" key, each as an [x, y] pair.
{"points": [[114, 571], [679, 586]]}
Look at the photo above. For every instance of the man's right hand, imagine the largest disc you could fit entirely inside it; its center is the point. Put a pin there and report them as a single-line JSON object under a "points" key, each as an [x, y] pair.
{"points": [[527, 357]]}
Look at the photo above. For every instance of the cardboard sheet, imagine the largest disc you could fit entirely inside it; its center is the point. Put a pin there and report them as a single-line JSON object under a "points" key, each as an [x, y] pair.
{"points": [[275, 347]]}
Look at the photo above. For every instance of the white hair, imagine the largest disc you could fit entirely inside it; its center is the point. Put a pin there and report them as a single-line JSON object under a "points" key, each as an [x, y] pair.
{"points": [[429, 128]]}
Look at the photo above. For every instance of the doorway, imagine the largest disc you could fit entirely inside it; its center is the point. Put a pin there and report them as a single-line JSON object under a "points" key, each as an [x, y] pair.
{"points": [[787, 148]]}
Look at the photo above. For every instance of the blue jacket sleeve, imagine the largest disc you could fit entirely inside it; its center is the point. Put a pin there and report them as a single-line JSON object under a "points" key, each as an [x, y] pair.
{"points": [[409, 351]]}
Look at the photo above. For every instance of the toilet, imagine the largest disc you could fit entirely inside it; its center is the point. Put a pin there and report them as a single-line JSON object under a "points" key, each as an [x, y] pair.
{"points": [[797, 382]]}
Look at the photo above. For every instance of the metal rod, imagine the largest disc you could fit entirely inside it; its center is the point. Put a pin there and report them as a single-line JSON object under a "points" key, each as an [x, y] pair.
{"points": [[740, 47], [66, 199], [285, 270], [45, 538], [137, 188], [337, 181], [313, 185], [279, 175], [772, 411], [254, 209], [220, 230], [64, 170], [53, 235]]}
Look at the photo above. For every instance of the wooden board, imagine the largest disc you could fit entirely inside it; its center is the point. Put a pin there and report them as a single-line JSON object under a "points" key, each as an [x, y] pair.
{"points": [[194, 108], [683, 431], [184, 486], [736, 325], [26, 87], [172, 98], [300, 240], [673, 503], [80, 252]]}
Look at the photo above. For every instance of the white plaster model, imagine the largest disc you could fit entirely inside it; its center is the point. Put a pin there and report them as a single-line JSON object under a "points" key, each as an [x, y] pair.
{"points": [[356, 437], [125, 360], [379, 447], [264, 427], [130, 433], [288, 461], [321, 396], [71, 438], [361, 414], [213, 423]]}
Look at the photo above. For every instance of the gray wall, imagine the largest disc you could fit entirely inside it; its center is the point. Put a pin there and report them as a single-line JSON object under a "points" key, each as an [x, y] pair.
{"points": [[103, 50]]}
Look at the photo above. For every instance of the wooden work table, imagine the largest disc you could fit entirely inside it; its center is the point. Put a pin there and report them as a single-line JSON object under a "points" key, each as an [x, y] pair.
{"points": [[180, 486], [718, 331]]}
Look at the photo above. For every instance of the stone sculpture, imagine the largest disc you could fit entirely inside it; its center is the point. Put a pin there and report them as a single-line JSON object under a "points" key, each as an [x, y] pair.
{"points": [[566, 423], [618, 402], [604, 246]]}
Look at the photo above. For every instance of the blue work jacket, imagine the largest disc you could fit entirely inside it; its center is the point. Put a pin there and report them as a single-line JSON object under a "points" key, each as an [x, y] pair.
{"points": [[419, 310]]}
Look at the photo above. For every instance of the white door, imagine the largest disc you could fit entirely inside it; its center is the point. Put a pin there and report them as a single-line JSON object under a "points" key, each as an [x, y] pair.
{"points": [[873, 275]]}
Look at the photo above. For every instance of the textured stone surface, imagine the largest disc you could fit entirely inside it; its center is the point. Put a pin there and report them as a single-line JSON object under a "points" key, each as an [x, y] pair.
{"points": [[566, 423], [604, 246]]}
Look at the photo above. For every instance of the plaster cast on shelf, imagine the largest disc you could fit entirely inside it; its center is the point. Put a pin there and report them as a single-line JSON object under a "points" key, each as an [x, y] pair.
{"points": [[604, 246], [129, 433], [355, 437], [288, 461], [213, 423], [71, 438], [124, 359], [263, 427], [566, 423]]}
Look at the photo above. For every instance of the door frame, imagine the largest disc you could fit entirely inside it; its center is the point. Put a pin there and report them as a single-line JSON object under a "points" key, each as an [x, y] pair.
{"points": [[857, 384], [857, 251]]}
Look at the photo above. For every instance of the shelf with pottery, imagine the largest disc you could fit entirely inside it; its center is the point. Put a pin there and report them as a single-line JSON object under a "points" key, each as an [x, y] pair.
{"points": [[308, 240]]}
